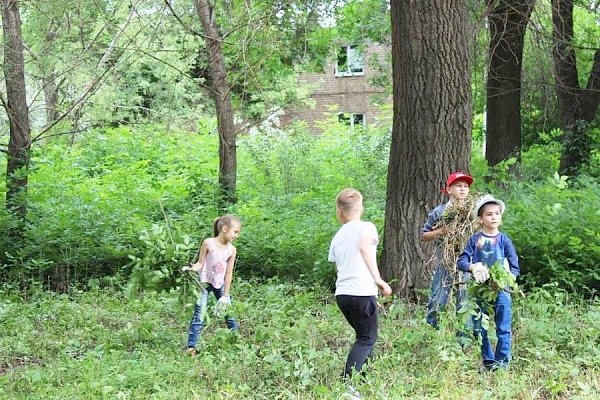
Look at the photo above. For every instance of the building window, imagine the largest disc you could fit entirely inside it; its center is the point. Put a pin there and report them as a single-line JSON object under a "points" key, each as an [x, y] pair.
{"points": [[349, 61], [352, 119]]}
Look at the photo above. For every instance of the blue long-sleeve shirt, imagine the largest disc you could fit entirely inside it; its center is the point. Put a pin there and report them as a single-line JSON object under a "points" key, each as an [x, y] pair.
{"points": [[487, 250]]}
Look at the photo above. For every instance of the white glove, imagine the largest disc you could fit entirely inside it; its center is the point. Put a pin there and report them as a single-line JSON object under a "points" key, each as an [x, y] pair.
{"points": [[480, 272], [224, 300]]}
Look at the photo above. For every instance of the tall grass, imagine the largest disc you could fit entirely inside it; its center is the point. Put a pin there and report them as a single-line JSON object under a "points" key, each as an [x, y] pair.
{"points": [[292, 345]]}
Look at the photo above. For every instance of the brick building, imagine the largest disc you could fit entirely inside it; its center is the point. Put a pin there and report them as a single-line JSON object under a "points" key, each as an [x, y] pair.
{"points": [[343, 92]]}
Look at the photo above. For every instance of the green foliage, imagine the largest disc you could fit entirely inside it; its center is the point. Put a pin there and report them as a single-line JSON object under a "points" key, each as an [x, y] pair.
{"points": [[292, 344], [287, 195], [362, 21], [89, 203], [159, 267], [551, 224], [479, 303]]}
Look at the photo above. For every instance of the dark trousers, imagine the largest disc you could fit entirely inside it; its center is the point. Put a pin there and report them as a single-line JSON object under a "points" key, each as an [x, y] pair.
{"points": [[361, 314]]}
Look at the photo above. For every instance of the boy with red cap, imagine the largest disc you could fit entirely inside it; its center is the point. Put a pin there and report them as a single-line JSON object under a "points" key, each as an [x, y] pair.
{"points": [[457, 187]]}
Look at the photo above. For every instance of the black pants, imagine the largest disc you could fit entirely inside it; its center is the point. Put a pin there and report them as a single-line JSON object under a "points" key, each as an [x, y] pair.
{"points": [[361, 314]]}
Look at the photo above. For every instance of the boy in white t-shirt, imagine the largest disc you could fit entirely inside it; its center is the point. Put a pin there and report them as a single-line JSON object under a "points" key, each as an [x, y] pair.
{"points": [[353, 250]]}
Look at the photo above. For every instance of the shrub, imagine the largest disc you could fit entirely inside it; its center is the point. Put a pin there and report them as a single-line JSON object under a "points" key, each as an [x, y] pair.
{"points": [[553, 225]]}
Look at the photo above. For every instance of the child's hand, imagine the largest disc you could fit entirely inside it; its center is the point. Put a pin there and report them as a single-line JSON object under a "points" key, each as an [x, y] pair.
{"points": [[386, 289]]}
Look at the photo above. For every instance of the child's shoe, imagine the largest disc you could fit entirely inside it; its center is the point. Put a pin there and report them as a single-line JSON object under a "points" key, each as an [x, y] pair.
{"points": [[352, 393], [190, 351]]}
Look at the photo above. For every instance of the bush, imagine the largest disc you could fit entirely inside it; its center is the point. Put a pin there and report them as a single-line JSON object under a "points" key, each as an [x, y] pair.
{"points": [[91, 202], [554, 227], [88, 203]]}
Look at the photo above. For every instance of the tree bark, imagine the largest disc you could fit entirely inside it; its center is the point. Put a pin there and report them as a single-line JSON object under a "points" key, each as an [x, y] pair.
{"points": [[51, 97], [431, 134], [507, 21], [221, 93], [577, 106], [19, 143]]}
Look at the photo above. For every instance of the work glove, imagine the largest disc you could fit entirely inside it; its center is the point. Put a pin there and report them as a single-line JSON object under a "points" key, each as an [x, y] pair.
{"points": [[506, 265], [224, 301], [480, 272], [222, 304]]}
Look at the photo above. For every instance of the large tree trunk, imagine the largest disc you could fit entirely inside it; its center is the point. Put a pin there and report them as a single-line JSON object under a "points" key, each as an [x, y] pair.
{"points": [[431, 133], [221, 93], [577, 106], [19, 143], [507, 20]]}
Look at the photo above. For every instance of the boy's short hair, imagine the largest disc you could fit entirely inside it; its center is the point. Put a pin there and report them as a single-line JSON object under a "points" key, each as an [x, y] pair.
{"points": [[349, 201]]}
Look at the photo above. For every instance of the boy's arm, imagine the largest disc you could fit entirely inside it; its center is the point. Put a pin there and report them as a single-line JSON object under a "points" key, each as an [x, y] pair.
{"points": [[480, 272], [229, 272], [428, 233], [197, 266], [429, 236], [511, 255], [331, 258], [464, 259], [368, 253]]}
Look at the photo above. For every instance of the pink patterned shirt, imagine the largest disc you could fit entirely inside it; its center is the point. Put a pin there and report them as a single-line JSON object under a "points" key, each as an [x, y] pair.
{"points": [[215, 265]]}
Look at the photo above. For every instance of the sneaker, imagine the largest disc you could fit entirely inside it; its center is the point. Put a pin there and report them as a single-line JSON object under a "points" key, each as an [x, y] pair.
{"points": [[489, 368], [484, 369], [190, 351], [351, 393]]}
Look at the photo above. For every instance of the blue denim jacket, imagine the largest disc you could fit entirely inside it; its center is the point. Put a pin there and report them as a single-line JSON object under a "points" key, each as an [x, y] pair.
{"points": [[432, 219]]}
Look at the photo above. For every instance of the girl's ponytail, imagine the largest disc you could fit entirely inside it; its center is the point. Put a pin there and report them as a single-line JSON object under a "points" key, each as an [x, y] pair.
{"points": [[225, 220], [216, 227]]}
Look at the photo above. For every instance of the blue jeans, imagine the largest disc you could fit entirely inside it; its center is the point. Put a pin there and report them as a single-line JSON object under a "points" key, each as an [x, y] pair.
{"points": [[361, 314], [503, 319], [441, 284], [197, 323]]}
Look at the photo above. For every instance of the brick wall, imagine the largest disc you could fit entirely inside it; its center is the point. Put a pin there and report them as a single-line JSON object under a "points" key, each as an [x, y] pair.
{"points": [[333, 94]]}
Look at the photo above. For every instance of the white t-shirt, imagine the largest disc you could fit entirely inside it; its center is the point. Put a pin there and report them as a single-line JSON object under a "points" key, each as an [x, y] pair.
{"points": [[353, 276]]}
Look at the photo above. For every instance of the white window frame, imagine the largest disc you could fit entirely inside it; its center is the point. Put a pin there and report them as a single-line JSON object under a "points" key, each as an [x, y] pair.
{"points": [[351, 118], [355, 63]]}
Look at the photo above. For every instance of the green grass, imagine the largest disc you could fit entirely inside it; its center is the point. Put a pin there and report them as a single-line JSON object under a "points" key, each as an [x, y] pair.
{"points": [[292, 345]]}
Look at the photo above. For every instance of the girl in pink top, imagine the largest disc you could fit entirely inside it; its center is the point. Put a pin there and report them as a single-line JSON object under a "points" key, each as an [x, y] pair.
{"points": [[215, 266]]}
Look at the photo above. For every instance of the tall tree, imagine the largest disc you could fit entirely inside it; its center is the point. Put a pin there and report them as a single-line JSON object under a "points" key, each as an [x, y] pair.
{"points": [[431, 133], [221, 93], [19, 143], [507, 22], [577, 105]]}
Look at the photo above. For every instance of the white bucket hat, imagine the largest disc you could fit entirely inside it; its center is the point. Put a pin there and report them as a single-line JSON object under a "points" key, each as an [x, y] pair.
{"points": [[486, 199]]}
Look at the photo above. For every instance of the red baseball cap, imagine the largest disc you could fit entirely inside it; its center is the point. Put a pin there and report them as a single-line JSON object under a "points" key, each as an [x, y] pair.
{"points": [[458, 176]]}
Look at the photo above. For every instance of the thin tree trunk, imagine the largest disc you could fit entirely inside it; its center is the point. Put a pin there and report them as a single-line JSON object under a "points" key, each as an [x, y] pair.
{"points": [[50, 97], [221, 93], [19, 143], [431, 134], [507, 21], [577, 106]]}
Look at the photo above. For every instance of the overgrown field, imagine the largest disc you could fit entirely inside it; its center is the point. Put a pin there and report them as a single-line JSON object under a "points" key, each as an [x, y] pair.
{"points": [[292, 345]]}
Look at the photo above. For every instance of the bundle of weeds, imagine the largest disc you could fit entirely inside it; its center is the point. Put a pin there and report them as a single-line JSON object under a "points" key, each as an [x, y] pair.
{"points": [[482, 296], [458, 224], [197, 287], [195, 284]]}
